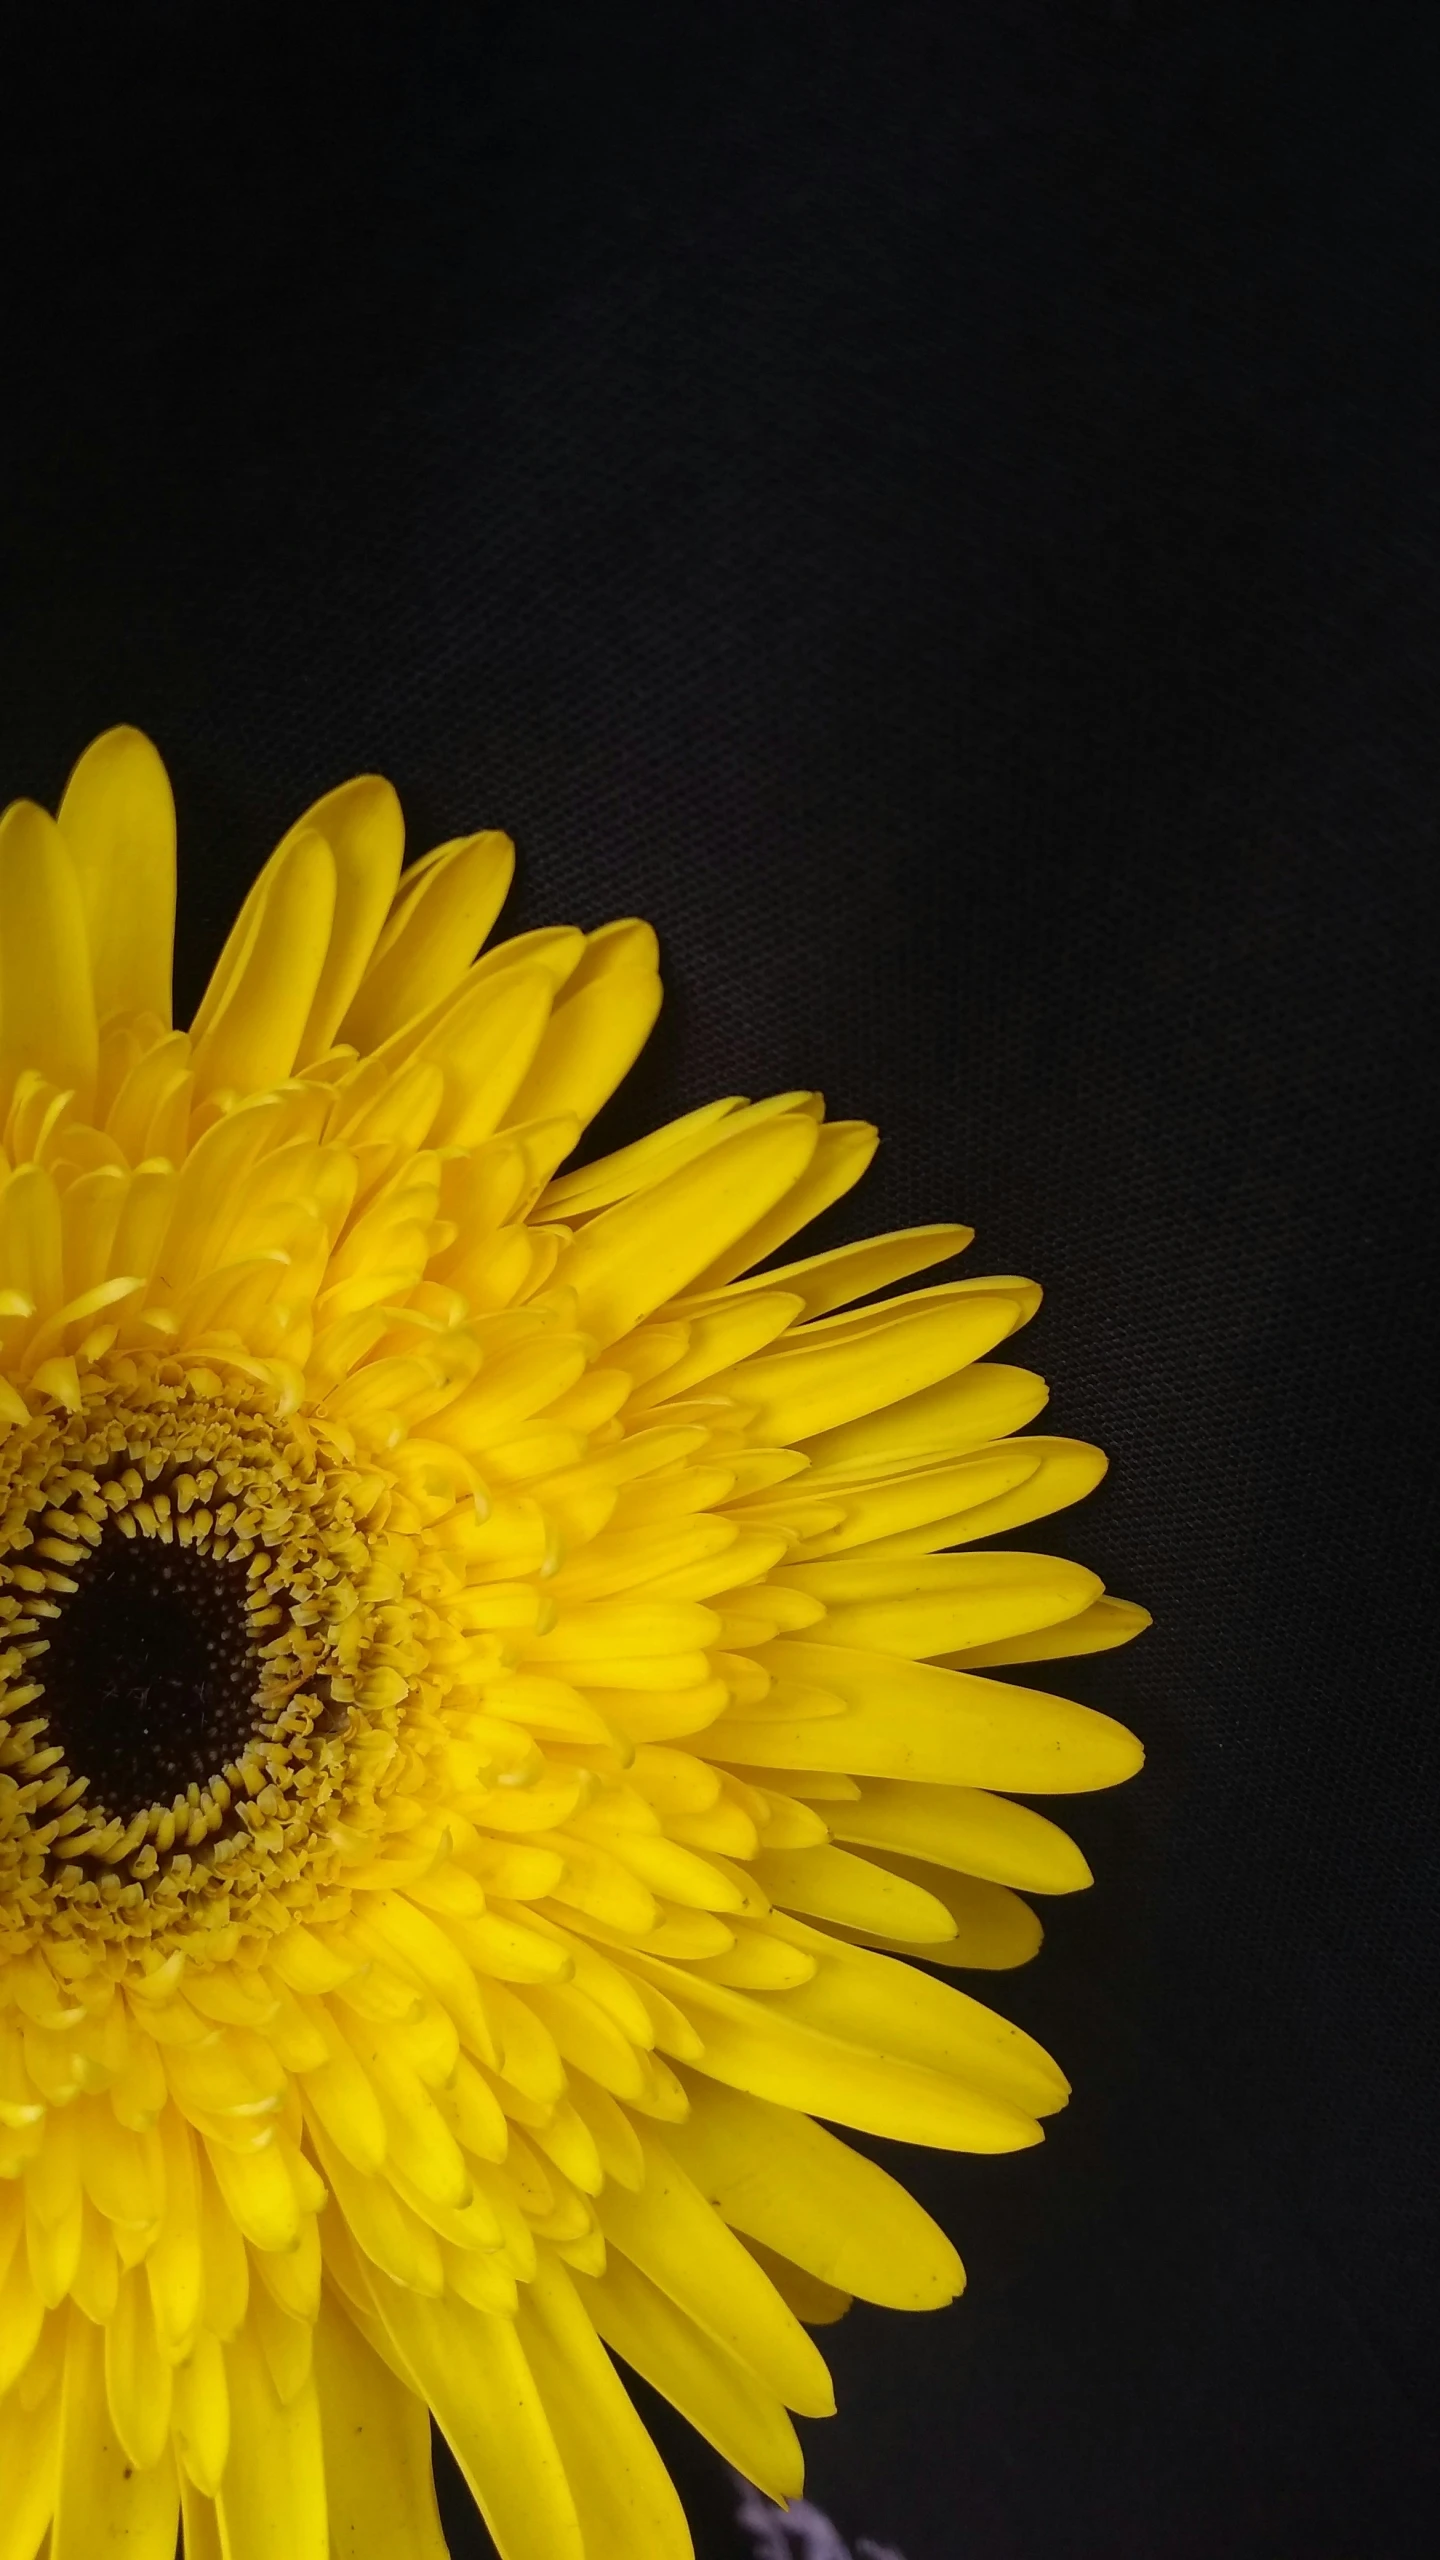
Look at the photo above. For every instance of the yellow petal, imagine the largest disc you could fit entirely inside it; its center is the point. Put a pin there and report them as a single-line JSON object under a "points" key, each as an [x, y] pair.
{"points": [[1105, 1623], [376, 2434], [29, 2446], [843, 1151], [1049, 1475], [746, 2423], [558, 948], [912, 1720], [202, 2414], [338, 2092], [632, 1257], [785, 2181], [472, 2369], [362, 825], [137, 2377], [484, 1046], [984, 1403], [442, 914], [250, 1038], [674, 2236], [633, 1168], [259, 2192], [271, 2501], [905, 2016], [930, 1605], [727, 1333], [993, 1930], [770, 2049], [224, 2257], [893, 1514], [817, 2304], [175, 2265], [200, 2523], [829, 1884], [390, 2234], [826, 1280], [118, 818], [598, 1029], [961, 1827], [31, 1237], [106, 2502], [512, 1386], [190, 1212], [47, 1002], [626, 2499]]}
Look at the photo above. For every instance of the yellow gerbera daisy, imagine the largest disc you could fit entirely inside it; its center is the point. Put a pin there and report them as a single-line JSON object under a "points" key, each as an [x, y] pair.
{"points": [[481, 1679]]}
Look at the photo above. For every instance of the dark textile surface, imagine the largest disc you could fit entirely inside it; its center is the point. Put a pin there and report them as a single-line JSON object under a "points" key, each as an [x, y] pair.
{"points": [[935, 504]]}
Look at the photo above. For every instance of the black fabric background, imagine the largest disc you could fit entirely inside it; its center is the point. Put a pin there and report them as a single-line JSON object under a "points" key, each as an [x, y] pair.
{"points": [[936, 505]]}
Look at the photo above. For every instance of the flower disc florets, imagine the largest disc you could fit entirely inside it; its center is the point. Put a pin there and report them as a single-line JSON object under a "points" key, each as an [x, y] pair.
{"points": [[207, 1640]]}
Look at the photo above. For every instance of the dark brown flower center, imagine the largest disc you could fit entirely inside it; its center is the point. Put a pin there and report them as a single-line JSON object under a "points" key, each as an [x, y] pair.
{"points": [[150, 1673]]}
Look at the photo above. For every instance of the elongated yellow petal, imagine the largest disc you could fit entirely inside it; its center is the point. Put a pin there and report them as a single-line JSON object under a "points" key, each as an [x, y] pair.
{"points": [[984, 1403], [897, 2011], [992, 1929], [202, 2415], [105, 2503], [815, 1384], [827, 1280], [785, 2181], [31, 1237], [1049, 1475], [484, 1046], [472, 2369], [200, 2523], [895, 1513], [829, 1884], [439, 920], [557, 948], [29, 2463], [626, 2499], [633, 1168], [271, 2501], [164, 2192], [381, 2223], [362, 825], [843, 1151], [745, 2422], [912, 1720], [629, 1259], [1104, 1624], [796, 2061], [933, 1605], [670, 2232], [818, 2304], [118, 819], [376, 2435], [723, 1335], [137, 2376], [961, 1827], [257, 1025], [259, 2193], [47, 1001], [598, 1029]]}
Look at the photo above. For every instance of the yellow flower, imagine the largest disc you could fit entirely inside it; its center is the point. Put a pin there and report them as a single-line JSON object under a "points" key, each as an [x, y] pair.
{"points": [[481, 1679]]}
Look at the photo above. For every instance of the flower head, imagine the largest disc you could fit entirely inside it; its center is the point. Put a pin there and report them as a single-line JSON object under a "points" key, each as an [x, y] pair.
{"points": [[487, 1692]]}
